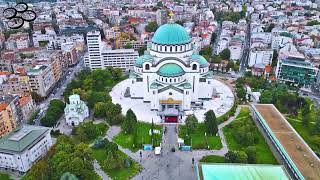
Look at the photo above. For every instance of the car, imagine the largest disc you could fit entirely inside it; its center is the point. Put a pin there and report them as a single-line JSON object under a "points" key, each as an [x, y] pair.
{"points": [[157, 150]]}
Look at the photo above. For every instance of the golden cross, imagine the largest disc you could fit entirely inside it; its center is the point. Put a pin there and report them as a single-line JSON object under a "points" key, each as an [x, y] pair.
{"points": [[171, 14]]}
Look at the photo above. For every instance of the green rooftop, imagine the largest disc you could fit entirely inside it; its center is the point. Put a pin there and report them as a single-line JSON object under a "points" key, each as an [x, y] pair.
{"points": [[241, 172], [171, 70], [200, 59], [171, 34], [21, 138]]}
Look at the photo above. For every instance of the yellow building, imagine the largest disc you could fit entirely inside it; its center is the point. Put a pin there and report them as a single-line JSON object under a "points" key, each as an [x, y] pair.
{"points": [[7, 120]]}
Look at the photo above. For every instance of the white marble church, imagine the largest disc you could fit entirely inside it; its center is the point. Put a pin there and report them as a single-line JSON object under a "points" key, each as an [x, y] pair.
{"points": [[171, 75]]}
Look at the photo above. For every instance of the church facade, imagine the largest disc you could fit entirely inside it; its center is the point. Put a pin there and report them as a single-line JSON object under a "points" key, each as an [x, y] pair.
{"points": [[171, 75]]}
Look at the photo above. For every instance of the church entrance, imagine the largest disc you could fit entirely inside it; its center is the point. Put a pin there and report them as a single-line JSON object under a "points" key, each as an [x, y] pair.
{"points": [[171, 119]]}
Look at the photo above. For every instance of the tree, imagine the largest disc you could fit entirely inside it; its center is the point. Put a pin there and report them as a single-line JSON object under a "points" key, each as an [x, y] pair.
{"points": [[225, 54], [152, 131], [270, 27], [317, 127], [40, 170], [159, 4], [230, 157], [141, 51], [241, 93], [213, 38], [68, 176], [210, 122], [313, 23], [99, 109], [54, 112], [274, 58], [128, 46], [113, 161], [207, 50], [191, 123], [180, 22], [241, 157], [130, 122], [251, 154], [151, 27], [113, 114]]}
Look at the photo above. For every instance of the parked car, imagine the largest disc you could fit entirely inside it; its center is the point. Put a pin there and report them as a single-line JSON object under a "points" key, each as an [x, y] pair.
{"points": [[157, 150]]}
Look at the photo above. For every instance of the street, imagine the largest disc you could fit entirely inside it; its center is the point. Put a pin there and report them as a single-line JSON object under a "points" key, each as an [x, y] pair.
{"points": [[58, 90]]}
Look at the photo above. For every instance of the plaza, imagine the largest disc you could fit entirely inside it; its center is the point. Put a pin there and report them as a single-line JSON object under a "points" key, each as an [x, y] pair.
{"points": [[220, 104]]}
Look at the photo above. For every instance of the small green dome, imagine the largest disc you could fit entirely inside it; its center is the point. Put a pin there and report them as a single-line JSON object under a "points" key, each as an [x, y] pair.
{"points": [[171, 34], [140, 60], [171, 70], [200, 59]]}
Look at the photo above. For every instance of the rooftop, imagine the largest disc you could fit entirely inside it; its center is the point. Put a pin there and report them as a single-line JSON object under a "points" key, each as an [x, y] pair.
{"points": [[171, 34], [21, 138], [241, 171], [300, 153]]}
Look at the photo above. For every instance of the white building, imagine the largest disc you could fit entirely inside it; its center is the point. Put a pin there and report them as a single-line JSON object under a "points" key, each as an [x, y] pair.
{"points": [[171, 75], [260, 57], [76, 111], [21, 148], [99, 57], [48, 36]]}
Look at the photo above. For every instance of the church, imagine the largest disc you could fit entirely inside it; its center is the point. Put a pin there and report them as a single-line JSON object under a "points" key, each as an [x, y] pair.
{"points": [[171, 75]]}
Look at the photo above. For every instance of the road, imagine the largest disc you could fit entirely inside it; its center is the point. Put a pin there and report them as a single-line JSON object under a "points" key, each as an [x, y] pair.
{"points": [[58, 90], [245, 56]]}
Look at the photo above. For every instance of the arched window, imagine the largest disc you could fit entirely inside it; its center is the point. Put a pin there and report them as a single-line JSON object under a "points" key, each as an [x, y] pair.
{"points": [[194, 67], [147, 67]]}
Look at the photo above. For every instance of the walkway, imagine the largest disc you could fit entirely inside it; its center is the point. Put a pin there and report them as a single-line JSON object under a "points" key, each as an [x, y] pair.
{"points": [[170, 165]]}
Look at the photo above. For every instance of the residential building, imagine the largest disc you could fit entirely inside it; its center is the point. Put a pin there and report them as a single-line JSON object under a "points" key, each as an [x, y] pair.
{"points": [[15, 84], [260, 56], [40, 37], [76, 111], [21, 148], [10, 114], [161, 17], [27, 106], [296, 70], [41, 79]]}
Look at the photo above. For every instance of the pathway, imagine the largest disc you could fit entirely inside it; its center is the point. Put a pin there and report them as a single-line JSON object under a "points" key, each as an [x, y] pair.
{"points": [[170, 165]]}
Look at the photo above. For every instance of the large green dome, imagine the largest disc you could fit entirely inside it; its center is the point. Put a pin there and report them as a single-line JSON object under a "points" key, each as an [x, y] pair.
{"points": [[171, 70], [171, 34]]}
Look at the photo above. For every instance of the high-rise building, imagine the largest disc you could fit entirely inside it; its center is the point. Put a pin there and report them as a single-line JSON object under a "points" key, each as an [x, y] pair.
{"points": [[94, 50], [161, 17], [296, 70], [99, 58]]}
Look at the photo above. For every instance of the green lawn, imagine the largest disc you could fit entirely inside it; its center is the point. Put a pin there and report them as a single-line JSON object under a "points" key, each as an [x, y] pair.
{"points": [[212, 159], [120, 174], [199, 140], [4, 176], [126, 140], [306, 133], [264, 154]]}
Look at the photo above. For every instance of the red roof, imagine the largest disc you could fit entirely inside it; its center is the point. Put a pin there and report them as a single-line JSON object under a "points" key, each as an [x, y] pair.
{"points": [[3, 106], [268, 69], [24, 100]]}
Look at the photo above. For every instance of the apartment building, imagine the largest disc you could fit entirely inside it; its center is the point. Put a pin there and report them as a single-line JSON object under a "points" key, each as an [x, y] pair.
{"points": [[41, 79], [10, 114], [260, 56]]}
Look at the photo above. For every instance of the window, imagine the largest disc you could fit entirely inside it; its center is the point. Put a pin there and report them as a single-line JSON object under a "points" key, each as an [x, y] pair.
{"points": [[147, 67], [170, 93], [154, 92], [194, 67]]}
